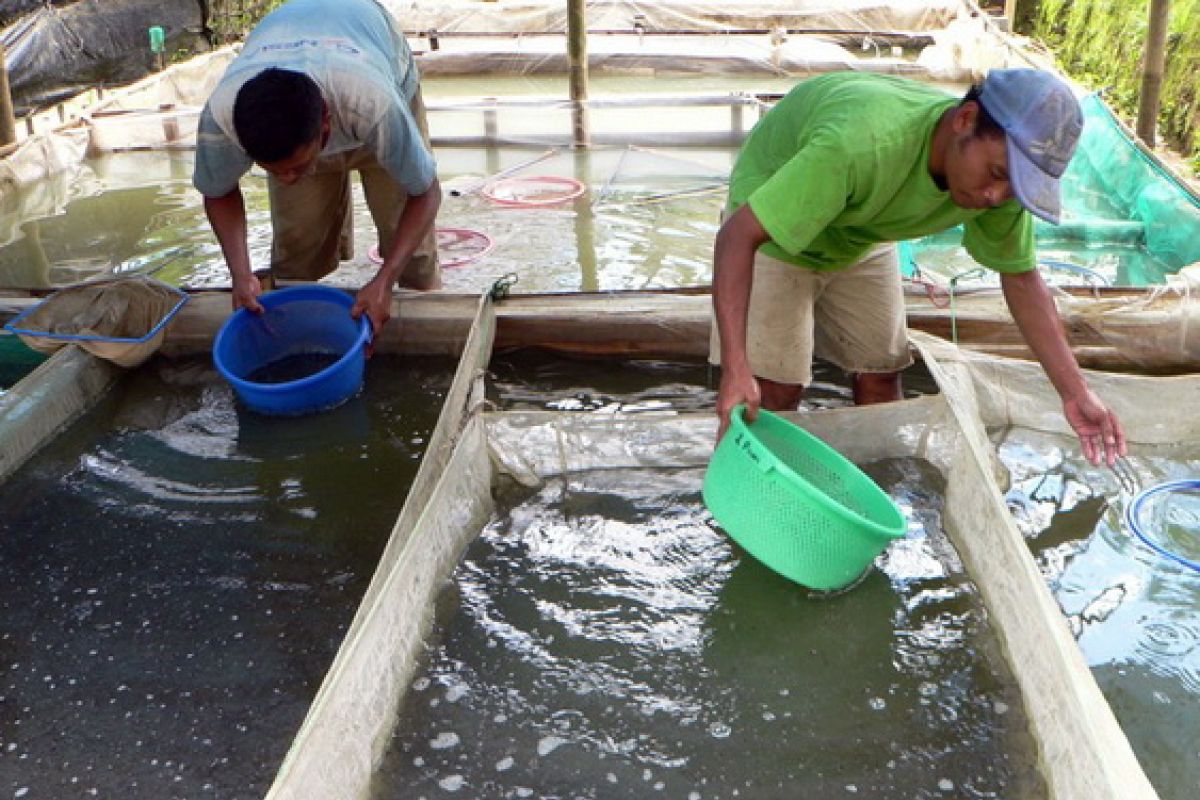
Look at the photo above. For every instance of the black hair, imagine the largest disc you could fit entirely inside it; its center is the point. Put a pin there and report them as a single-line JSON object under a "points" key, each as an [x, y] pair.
{"points": [[985, 123], [277, 112]]}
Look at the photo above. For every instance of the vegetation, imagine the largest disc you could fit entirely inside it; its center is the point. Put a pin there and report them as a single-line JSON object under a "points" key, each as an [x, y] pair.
{"points": [[231, 20], [1100, 43]]}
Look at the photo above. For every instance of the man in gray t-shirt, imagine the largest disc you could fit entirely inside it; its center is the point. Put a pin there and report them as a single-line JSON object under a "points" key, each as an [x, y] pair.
{"points": [[321, 88]]}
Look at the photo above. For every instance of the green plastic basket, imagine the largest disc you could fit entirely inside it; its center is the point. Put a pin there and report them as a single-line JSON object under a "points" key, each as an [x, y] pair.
{"points": [[796, 504]]}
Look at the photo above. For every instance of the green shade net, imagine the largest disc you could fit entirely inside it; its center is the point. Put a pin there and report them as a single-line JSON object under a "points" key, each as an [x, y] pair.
{"points": [[1126, 220]]}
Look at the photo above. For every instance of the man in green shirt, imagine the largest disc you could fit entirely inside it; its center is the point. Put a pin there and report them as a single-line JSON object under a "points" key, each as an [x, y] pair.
{"points": [[839, 170]]}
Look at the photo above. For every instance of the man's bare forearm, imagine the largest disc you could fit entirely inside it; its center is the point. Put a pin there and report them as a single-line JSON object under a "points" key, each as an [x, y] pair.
{"points": [[1033, 310], [227, 215]]}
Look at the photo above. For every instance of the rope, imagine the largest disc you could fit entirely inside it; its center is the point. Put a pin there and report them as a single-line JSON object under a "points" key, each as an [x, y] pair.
{"points": [[977, 272], [502, 287]]}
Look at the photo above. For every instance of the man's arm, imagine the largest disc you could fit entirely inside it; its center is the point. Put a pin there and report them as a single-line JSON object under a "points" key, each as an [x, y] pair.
{"points": [[1100, 432], [227, 215], [733, 275], [418, 216]]}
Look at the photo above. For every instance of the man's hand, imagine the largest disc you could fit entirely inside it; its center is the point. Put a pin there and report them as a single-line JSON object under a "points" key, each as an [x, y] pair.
{"points": [[375, 300], [1099, 431], [1033, 308], [737, 386], [245, 293]]}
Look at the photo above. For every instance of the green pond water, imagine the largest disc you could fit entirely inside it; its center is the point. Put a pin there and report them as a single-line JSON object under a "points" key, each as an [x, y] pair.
{"points": [[647, 219], [16, 360], [603, 639], [177, 573], [1134, 612]]}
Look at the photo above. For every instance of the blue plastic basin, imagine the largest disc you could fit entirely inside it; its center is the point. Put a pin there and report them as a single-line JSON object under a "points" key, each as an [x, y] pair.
{"points": [[296, 322]]}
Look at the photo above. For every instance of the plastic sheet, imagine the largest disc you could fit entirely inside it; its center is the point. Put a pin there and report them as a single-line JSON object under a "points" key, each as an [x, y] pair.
{"points": [[58, 50], [38, 159], [1159, 332], [517, 16]]}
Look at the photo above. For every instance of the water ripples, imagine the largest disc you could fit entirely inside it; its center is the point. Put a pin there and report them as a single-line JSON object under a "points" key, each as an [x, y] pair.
{"points": [[609, 635]]}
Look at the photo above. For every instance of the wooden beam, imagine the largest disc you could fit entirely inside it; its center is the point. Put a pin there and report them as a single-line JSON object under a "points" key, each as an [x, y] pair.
{"points": [[578, 56], [8, 123], [1153, 64], [667, 324]]}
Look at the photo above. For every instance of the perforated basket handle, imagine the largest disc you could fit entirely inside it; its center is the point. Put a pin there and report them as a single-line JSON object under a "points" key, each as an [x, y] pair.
{"points": [[760, 456]]}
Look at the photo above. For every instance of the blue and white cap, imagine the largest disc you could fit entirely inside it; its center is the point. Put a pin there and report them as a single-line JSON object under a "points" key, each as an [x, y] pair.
{"points": [[1041, 120]]}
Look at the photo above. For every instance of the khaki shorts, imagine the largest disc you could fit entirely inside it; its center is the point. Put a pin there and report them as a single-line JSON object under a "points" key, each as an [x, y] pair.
{"points": [[853, 317], [313, 220]]}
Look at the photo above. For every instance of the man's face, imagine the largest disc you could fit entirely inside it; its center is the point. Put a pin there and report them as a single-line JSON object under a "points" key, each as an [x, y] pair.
{"points": [[300, 164], [977, 169], [303, 161]]}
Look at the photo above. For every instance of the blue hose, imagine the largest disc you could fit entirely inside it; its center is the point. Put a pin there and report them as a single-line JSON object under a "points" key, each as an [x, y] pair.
{"points": [[1067, 266], [1133, 512]]}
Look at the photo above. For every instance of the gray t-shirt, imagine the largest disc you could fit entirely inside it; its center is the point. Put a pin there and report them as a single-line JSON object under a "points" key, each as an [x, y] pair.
{"points": [[364, 69]]}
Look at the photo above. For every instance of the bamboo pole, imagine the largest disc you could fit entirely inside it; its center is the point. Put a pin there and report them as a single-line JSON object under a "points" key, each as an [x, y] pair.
{"points": [[8, 123], [1152, 70], [1019, 14], [578, 57]]}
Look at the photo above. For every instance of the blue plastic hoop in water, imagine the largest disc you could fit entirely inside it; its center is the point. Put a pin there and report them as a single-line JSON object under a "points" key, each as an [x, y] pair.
{"points": [[1133, 513]]}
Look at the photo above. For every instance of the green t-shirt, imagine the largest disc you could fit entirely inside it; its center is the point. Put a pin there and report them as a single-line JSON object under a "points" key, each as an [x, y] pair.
{"points": [[842, 163]]}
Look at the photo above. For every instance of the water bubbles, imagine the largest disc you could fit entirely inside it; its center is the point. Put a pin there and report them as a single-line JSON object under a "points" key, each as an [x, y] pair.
{"points": [[719, 730], [445, 740], [452, 783], [548, 744]]}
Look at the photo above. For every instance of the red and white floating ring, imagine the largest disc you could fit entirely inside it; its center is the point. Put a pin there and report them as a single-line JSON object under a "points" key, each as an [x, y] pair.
{"points": [[456, 247], [533, 191]]}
